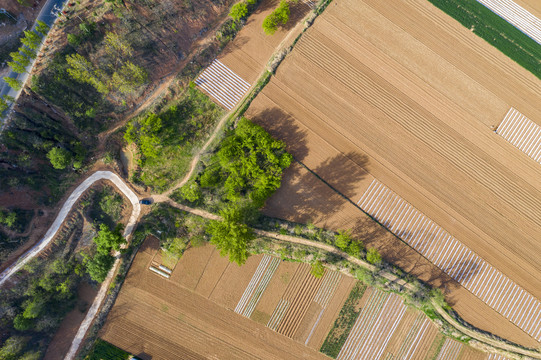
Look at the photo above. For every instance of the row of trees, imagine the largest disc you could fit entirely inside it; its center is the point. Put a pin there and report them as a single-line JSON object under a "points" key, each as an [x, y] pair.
{"points": [[21, 59], [240, 10]]}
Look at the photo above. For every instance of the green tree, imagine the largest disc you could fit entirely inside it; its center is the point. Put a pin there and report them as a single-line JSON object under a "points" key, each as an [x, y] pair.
{"points": [[82, 70], [31, 39], [29, 53], [20, 58], [253, 162], [354, 248], [31, 355], [343, 239], [12, 348], [231, 236], [239, 11], [74, 40], [373, 256], [5, 102], [21, 323], [129, 78], [60, 158], [13, 83], [279, 16], [365, 276], [8, 218], [16, 67], [191, 191], [98, 266], [42, 28], [317, 269], [108, 239]]}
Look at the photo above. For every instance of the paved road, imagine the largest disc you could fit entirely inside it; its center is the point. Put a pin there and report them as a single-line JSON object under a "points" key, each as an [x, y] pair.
{"points": [[42, 244], [48, 15]]}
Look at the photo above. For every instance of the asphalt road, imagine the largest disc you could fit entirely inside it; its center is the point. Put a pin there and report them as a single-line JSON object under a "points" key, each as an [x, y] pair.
{"points": [[48, 15]]}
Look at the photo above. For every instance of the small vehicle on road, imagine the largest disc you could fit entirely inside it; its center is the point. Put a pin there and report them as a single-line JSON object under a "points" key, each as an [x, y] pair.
{"points": [[145, 201]]}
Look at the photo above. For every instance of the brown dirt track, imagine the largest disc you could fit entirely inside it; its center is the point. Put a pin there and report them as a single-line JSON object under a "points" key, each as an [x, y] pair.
{"points": [[405, 94]]}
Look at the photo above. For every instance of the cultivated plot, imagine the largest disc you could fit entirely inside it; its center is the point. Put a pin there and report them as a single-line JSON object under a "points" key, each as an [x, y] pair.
{"points": [[402, 93], [516, 15], [446, 252], [450, 350], [522, 133], [222, 84]]}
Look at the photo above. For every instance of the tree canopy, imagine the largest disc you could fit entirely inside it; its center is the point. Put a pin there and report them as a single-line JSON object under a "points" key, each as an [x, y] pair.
{"points": [[253, 162], [239, 11], [279, 16], [60, 158]]}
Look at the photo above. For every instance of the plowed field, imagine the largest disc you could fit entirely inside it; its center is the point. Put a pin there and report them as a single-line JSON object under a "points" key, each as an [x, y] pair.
{"points": [[401, 93], [157, 318]]}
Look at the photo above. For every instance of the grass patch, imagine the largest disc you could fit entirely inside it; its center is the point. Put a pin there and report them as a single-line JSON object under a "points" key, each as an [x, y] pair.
{"points": [[496, 31], [102, 350], [344, 322]]}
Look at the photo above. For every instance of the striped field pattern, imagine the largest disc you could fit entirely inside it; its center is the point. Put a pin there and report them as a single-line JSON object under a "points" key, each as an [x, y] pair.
{"points": [[517, 16], [278, 314], [450, 350], [327, 288], [259, 282], [442, 249], [223, 84], [374, 327], [413, 338], [496, 357], [522, 133]]}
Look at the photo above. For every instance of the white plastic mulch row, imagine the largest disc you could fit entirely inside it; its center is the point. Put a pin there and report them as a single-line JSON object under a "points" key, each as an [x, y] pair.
{"points": [[326, 289], [497, 357], [450, 350], [278, 314], [458, 261], [522, 133], [223, 84], [261, 287], [517, 16], [373, 328]]}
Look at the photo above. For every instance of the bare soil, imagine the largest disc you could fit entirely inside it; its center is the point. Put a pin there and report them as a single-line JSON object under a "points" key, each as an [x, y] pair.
{"points": [[402, 93]]}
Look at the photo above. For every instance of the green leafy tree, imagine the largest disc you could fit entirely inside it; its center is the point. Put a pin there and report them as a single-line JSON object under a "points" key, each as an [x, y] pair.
{"points": [[74, 40], [8, 218], [98, 266], [60, 158], [365, 276], [117, 46], [231, 236], [108, 239], [31, 355], [191, 192], [12, 348], [343, 239], [16, 67], [239, 11], [21, 323], [317, 269], [279, 16], [13, 83], [42, 28], [354, 248], [373, 256], [253, 162]]}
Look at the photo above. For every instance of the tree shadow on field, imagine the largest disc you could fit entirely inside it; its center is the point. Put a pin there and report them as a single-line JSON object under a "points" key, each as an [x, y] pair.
{"points": [[237, 43], [282, 126]]}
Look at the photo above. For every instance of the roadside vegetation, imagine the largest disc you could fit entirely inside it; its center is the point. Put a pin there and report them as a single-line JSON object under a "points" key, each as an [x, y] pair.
{"points": [[280, 16], [102, 350], [32, 309], [496, 31]]}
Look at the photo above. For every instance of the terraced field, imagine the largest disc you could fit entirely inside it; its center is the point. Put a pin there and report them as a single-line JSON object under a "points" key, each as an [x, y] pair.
{"points": [[402, 94]]}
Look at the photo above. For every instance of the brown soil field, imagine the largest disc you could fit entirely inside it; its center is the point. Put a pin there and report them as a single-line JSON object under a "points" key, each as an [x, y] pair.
{"points": [[157, 318], [248, 54], [532, 6], [404, 94]]}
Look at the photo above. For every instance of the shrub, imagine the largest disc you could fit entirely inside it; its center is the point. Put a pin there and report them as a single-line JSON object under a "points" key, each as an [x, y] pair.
{"points": [[317, 269], [239, 11], [373, 256], [279, 15], [343, 239]]}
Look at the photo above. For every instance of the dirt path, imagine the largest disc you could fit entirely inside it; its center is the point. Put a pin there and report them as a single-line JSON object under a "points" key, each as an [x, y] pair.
{"points": [[301, 241]]}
